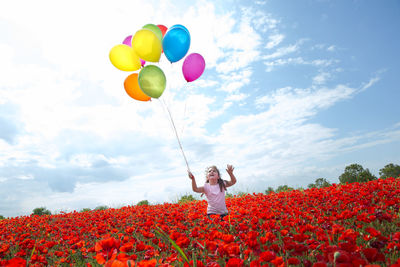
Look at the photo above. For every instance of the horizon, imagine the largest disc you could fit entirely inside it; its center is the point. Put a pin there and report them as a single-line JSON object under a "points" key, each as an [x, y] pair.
{"points": [[179, 199]]}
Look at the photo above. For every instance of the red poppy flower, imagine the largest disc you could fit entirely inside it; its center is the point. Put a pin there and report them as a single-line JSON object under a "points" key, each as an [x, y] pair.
{"points": [[16, 262], [234, 262], [277, 261], [255, 263], [370, 254], [294, 261], [127, 247], [147, 263], [319, 264], [106, 250], [267, 256], [4, 248]]}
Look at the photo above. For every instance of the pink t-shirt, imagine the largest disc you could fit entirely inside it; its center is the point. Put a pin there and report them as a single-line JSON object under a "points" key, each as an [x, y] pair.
{"points": [[215, 198]]}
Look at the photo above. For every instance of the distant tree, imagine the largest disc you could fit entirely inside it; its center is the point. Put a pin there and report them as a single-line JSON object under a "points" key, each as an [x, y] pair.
{"points": [[311, 186], [41, 211], [104, 207], [269, 190], [186, 198], [284, 188], [143, 202], [85, 209], [320, 183], [2, 217], [390, 170], [228, 195], [356, 173]]}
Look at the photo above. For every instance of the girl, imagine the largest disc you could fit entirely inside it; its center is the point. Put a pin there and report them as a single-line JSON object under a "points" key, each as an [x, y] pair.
{"points": [[214, 189]]}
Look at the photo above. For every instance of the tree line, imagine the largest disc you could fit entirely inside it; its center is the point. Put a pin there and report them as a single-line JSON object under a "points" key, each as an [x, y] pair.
{"points": [[352, 173], [356, 173]]}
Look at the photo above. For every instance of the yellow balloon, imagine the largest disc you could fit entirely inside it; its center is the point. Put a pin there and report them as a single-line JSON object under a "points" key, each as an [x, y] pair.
{"points": [[123, 57], [147, 45]]}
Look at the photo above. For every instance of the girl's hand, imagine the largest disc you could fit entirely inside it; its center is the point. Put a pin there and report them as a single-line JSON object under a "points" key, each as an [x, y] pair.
{"points": [[190, 175], [229, 169]]}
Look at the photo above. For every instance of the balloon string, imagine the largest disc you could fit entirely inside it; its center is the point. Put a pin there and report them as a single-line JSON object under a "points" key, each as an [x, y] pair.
{"points": [[184, 117], [176, 133]]}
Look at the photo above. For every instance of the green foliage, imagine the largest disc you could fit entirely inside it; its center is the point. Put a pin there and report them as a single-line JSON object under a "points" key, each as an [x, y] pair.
{"points": [[104, 207], [269, 190], [311, 186], [284, 188], [229, 195], [41, 211], [85, 209], [143, 203], [186, 198], [320, 183], [2, 217], [241, 193], [390, 170], [356, 173]]}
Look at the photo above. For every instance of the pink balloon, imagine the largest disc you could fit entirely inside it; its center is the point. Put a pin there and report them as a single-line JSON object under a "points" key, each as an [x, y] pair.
{"points": [[128, 41], [193, 67]]}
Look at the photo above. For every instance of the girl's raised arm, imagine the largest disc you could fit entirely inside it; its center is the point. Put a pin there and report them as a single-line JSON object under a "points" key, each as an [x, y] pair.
{"points": [[229, 170], [194, 185]]}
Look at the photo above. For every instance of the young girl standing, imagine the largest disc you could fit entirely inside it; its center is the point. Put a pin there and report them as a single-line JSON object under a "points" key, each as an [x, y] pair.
{"points": [[214, 189]]}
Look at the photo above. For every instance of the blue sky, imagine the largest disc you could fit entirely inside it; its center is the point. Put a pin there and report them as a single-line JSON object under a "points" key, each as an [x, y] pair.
{"points": [[292, 91]]}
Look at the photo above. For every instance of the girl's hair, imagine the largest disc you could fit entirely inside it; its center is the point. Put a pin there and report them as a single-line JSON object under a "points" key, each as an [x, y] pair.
{"points": [[220, 181]]}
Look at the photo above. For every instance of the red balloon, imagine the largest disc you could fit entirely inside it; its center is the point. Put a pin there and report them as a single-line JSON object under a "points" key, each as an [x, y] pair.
{"points": [[163, 29]]}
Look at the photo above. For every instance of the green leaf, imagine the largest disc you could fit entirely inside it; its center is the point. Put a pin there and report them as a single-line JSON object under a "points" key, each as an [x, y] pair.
{"points": [[165, 236], [194, 259]]}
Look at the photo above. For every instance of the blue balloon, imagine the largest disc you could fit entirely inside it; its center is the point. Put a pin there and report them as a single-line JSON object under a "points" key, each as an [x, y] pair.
{"points": [[176, 43], [179, 26]]}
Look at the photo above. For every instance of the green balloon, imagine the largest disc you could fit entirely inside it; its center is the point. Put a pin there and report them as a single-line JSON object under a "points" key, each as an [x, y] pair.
{"points": [[152, 81], [154, 29]]}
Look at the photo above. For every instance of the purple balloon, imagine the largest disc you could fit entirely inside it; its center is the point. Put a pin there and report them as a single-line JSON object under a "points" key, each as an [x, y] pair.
{"points": [[193, 67], [128, 41]]}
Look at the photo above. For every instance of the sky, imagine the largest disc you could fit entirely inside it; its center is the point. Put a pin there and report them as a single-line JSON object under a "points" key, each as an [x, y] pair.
{"points": [[292, 91]]}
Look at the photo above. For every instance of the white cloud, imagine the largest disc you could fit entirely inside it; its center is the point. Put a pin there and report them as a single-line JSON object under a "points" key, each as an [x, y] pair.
{"points": [[26, 177], [295, 105], [331, 48], [259, 19], [271, 65], [274, 40], [321, 78], [232, 83], [282, 51], [236, 97], [371, 82]]}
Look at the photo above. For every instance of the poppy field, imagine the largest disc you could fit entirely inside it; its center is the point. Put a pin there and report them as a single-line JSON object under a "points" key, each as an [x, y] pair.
{"points": [[355, 224]]}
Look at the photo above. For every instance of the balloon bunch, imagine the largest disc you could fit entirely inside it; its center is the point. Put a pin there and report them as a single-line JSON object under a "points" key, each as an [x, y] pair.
{"points": [[147, 45]]}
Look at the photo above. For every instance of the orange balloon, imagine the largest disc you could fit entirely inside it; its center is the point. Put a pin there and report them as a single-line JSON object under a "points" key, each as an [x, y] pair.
{"points": [[132, 88]]}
